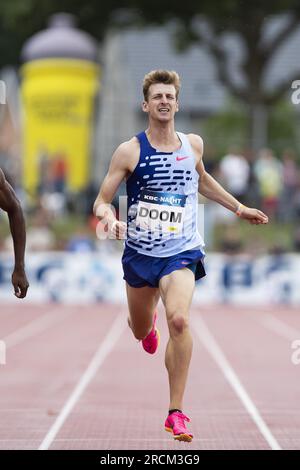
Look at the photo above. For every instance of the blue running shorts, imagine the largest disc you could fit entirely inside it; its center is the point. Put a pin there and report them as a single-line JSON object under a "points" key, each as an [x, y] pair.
{"points": [[142, 270]]}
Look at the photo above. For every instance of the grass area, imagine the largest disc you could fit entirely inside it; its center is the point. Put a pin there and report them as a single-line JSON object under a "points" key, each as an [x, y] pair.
{"points": [[256, 239], [253, 239], [65, 227]]}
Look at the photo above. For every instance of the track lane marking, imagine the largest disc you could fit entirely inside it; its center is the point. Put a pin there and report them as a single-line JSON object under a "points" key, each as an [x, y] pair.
{"points": [[34, 327], [279, 327], [102, 352], [215, 351]]}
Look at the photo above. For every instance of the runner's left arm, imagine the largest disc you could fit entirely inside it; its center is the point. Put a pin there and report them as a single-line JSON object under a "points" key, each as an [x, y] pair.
{"points": [[211, 189]]}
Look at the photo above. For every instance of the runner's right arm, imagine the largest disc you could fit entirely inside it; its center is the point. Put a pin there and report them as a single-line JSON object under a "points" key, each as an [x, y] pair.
{"points": [[118, 170]]}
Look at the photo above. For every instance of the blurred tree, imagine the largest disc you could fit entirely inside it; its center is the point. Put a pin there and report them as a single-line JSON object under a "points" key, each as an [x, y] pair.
{"points": [[284, 128], [225, 127], [207, 22], [19, 19], [230, 125]]}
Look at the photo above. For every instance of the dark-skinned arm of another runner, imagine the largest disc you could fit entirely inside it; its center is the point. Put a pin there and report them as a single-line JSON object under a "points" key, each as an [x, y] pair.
{"points": [[10, 204]]}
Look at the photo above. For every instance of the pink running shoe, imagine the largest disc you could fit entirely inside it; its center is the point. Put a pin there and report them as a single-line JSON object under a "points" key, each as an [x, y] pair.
{"points": [[151, 342], [175, 423]]}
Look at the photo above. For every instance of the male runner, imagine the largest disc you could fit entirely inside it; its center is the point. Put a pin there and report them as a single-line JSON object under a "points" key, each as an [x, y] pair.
{"points": [[10, 204], [163, 250]]}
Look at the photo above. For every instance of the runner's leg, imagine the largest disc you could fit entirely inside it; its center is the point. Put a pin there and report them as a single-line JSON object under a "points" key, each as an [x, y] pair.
{"points": [[142, 302], [176, 290]]}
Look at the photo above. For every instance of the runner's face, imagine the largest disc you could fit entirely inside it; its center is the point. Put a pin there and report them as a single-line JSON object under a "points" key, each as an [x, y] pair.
{"points": [[162, 103]]}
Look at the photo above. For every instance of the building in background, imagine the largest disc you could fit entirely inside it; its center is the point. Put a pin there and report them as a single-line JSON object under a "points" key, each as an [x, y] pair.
{"points": [[129, 55]]}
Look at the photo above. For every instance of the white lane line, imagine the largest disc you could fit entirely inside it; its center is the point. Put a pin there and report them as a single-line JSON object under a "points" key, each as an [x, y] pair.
{"points": [[103, 351], [215, 351], [34, 327], [278, 326]]}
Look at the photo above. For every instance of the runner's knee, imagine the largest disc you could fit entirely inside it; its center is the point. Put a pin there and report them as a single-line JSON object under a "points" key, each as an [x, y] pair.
{"points": [[178, 323], [141, 331]]}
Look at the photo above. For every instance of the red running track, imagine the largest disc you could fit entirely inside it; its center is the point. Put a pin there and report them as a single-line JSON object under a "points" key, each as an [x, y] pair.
{"points": [[75, 378]]}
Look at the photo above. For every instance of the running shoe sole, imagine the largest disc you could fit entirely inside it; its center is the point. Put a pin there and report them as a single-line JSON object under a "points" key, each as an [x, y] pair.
{"points": [[180, 437]]}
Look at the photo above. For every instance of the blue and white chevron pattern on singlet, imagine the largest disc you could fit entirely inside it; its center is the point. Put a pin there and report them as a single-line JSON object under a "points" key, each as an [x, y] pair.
{"points": [[162, 196]]}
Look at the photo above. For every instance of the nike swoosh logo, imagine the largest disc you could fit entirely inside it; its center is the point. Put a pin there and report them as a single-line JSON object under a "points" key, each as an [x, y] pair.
{"points": [[181, 158]]}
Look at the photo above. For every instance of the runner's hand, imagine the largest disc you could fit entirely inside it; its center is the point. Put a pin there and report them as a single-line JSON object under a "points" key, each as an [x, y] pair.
{"points": [[20, 283], [118, 230], [254, 216]]}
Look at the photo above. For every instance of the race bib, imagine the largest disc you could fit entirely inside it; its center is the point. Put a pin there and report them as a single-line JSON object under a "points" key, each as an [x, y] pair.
{"points": [[161, 212]]}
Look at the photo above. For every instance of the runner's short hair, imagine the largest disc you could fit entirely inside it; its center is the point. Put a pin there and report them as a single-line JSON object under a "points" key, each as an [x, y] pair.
{"points": [[169, 77]]}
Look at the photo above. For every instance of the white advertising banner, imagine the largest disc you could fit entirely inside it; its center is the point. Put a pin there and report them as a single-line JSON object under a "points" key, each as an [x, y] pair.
{"points": [[97, 277]]}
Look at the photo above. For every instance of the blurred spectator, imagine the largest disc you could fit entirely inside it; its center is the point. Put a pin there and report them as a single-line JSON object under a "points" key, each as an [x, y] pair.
{"points": [[45, 180], [291, 182], [252, 197], [52, 172], [6, 164], [54, 203], [235, 172], [268, 172], [296, 203], [89, 195], [59, 172], [297, 239], [210, 160]]}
